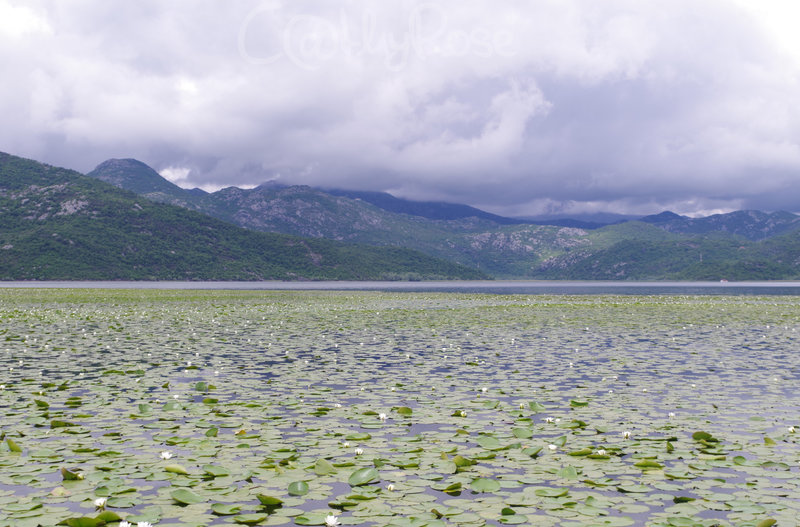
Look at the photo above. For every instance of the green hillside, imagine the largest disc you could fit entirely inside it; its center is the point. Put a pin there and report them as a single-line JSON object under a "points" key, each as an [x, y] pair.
{"points": [[60, 225], [742, 245]]}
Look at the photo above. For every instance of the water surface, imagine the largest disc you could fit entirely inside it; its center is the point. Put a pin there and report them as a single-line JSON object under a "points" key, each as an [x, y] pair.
{"points": [[528, 287]]}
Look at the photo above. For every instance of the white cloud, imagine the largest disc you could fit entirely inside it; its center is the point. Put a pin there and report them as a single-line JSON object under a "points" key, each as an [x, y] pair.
{"points": [[516, 106], [177, 175], [17, 21]]}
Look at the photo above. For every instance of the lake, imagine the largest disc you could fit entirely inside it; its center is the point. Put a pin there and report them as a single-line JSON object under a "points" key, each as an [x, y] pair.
{"points": [[261, 407], [525, 287]]}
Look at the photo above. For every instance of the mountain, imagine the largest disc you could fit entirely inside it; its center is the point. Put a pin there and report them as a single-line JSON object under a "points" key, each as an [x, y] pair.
{"points": [[60, 225], [497, 249], [663, 218], [663, 246], [749, 224], [433, 210], [679, 257], [593, 220], [133, 175]]}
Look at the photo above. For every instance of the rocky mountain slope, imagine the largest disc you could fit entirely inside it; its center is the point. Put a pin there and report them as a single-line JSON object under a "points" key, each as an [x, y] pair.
{"points": [[664, 246], [56, 224]]}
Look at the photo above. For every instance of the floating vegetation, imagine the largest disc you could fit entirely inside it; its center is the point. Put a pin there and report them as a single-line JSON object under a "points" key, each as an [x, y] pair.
{"points": [[223, 408]]}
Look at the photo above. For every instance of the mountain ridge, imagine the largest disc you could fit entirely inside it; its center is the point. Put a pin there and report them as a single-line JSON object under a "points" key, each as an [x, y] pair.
{"points": [[753, 225], [525, 250], [58, 224]]}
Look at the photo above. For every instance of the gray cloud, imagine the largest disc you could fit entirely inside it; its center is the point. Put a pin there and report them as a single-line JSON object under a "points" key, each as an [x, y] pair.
{"points": [[519, 107]]}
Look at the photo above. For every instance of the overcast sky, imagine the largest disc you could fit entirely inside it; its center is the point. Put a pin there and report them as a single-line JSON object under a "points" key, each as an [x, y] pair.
{"points": [[518, 107]]}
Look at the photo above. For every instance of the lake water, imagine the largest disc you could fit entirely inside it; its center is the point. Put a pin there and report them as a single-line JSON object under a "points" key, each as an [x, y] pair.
{"points": [[527, 287], [186, 407]]}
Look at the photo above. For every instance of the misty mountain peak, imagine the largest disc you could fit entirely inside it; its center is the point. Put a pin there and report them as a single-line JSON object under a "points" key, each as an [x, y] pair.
{"points": [[133, 175]]}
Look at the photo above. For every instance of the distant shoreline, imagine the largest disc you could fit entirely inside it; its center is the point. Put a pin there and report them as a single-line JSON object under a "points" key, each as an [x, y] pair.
{"points": [[565, 287]]}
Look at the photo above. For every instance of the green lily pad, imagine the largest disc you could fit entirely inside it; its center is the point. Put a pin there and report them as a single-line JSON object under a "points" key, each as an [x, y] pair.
{"points": [[323, 467], [69, 475], [250, 519], [216, 471], [84, 521], [517, 519], [298, 488], [489, 442], [12, 445], [536, 407], [484, 485], [186, 497], [176, 469], [363, 476], [225, 509], [648, 464], [269, 501], [522, 433], [310, 519], [359, 437], [551, 492]]}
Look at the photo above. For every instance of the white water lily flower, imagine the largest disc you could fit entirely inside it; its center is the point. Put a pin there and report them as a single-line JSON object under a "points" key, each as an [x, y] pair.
{"points": [[791, 429], [382, 416], [359, 451], [144, 524], [346, 444], [125, 524], [331, 521], [463, 413], [672, 414], [601, 452], [552, 448], [100, 503], [626, 434], [484, 389], [166, 454], [390, 487], [548, 419]]}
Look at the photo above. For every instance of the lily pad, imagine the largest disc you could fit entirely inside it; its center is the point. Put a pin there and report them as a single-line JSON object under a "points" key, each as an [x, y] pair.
{"points": [[225, 509], [485, 485], [323, 467], [298, 488], [363, 476], [186, 497], [250, 519]]}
